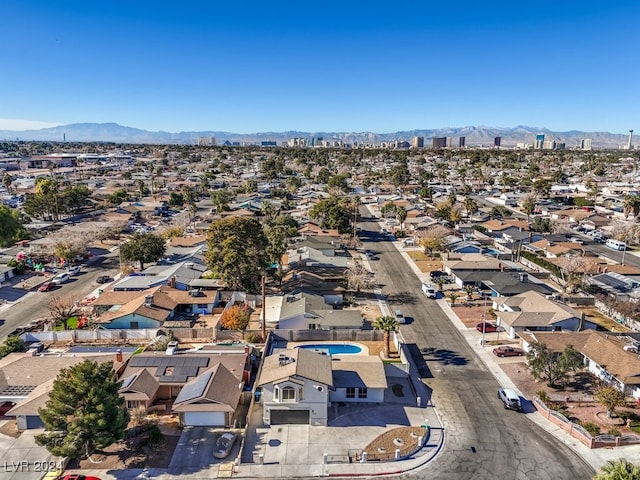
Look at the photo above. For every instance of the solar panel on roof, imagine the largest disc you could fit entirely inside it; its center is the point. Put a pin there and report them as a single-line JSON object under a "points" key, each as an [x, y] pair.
{"points": [[128, 381], [194, 389], [612, 282]]}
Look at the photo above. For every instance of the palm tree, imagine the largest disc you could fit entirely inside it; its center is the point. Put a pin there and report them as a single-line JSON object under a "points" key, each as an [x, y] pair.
{"points": [[631, 204], [470, 205], [453, 296], [621, 469], [387, 324]]}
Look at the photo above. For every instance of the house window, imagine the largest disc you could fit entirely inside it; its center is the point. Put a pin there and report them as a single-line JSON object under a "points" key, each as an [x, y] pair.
{"points": [[351, 392], [202, 306], [312, 326], [131, 404], [300, 396], [288, 393], [362, 393]]}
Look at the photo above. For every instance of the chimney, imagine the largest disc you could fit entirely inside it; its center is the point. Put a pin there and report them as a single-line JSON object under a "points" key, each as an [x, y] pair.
{"points": [[119, 356], [148, 300]]}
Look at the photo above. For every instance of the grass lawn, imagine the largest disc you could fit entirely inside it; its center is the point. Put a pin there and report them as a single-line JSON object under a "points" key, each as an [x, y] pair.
{"points": [[72, 323]]}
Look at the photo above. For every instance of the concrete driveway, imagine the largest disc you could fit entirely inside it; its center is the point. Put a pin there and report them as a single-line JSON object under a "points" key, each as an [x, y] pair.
{"points": [[194, 453], [22, 459]]}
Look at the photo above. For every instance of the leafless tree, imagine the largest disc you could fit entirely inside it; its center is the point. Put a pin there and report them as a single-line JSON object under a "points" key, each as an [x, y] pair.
{"points": [[61, 308]]}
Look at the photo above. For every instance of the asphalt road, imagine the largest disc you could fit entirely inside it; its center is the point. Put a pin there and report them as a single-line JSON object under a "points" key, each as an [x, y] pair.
{"points": [[483, 441], [31, 305]]}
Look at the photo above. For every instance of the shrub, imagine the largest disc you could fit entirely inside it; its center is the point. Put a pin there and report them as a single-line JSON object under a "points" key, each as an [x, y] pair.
{"points": [[614, 432], [592, 428], [543, 396], [253, 337], [155, 435]]}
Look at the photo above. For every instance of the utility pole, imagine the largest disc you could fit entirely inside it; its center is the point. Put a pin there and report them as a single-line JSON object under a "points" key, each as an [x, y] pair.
{"points": [[264, 312]]}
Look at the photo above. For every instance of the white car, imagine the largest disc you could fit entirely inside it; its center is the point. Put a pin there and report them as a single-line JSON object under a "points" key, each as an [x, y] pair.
{"points": [[61, 278], [75, 270]]}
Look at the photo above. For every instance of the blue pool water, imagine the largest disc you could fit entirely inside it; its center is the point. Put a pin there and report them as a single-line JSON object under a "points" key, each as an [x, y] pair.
{"points": [[334, 348]]}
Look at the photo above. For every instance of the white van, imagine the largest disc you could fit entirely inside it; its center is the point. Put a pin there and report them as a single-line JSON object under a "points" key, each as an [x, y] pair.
{"points": [[510, 399], [429, 291], [616, 244]]}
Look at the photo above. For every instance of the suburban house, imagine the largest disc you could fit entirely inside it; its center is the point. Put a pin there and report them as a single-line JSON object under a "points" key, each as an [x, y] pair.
{"points": [[298, 385], [307, 311], [612, 357], [473, 268], [204, 387], [533, 312], [507, 284], [150, 308], [27, 378]]}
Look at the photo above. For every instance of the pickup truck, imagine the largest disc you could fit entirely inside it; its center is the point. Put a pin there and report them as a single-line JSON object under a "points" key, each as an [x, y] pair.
{"points": [[508, 352]]}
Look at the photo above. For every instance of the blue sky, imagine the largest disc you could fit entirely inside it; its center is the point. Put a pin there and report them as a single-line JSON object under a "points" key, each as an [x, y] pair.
{"points": [[248, 67]]}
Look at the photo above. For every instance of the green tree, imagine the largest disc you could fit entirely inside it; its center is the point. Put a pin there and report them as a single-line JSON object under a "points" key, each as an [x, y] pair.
{"points": [[221, 198], [7, 180], [545, 364], [621, 469], [610, 398], [84, 412], [541, 224], [12, 344], [333, 213], [470, 205], [237, 252], [387, 324], [631, 205], [401, 214], [11, 228], [143, 248], [529, 205]]}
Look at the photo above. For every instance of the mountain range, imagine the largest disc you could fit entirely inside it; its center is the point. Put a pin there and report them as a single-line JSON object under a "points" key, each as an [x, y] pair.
{"points": [[475, 136]]}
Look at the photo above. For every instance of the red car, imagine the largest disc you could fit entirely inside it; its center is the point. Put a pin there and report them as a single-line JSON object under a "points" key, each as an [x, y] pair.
{"points": [[487, 327], [46, 287], [508, 351]]}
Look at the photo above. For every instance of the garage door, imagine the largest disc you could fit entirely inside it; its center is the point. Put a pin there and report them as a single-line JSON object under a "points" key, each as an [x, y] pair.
{"points": [[283, 417], [204, 419]]}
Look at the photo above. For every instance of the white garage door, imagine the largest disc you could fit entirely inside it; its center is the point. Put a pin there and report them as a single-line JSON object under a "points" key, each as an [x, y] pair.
{"points": [[204, 419]]}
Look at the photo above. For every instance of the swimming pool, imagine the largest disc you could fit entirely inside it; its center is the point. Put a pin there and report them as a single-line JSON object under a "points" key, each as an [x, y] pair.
{"points": [[333, 348]]}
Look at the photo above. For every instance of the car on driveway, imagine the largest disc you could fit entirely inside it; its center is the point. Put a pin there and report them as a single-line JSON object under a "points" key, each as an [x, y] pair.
{"points": [[47, 287], [506, 351], [487, 327], [436, 274]]}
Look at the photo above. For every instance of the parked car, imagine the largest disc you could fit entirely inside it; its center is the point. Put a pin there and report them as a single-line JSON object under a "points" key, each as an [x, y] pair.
{"points": [[487, 327], [75, 270], [224, 444], [510, 399], [103, 279], [506, 351], [47, 287], [61, 278], [436, 274]]}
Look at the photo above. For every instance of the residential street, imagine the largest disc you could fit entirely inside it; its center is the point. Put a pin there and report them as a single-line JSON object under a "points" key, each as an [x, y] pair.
{"points": [[482, 439]]}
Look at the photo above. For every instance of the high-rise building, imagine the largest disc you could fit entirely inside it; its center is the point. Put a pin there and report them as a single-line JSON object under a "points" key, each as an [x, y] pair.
{"points": [[629, 145], [539, 145], [449, 142], [417, 142], [497, 141], [585, 144], [462, 141], [439, 142], [206, 141]]}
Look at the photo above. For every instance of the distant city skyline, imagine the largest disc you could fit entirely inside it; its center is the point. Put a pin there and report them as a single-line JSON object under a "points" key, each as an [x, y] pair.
{"points": [[361, 67]]}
